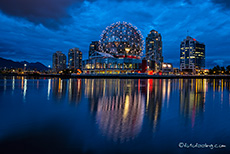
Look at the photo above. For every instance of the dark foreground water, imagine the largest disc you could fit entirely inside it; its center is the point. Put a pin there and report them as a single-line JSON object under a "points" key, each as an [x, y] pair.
{"points": [[114, 115]]}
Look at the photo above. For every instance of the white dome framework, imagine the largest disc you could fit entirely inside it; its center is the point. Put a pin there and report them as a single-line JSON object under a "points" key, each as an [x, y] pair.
{"points": [[122, 40]]}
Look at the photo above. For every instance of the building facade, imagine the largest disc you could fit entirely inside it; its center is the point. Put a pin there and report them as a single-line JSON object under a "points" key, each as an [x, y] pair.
{"points": [[104, 63], [75, 59], [167, 68], [192, 55], [59, 61], [154, 51], [94, 46]]}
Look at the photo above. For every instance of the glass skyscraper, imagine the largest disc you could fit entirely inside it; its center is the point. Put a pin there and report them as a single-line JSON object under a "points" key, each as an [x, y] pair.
{"points": [[192, 55], [154, 50]]}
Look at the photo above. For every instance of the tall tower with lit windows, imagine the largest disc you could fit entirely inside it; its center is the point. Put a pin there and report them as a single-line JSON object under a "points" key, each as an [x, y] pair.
{"points": [[192, 55], [59, 61], [94, 46], [75, 59], [154, 50]]}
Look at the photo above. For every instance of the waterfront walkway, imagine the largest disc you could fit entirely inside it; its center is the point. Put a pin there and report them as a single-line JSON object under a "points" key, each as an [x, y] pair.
{"points": [[129, 76]]}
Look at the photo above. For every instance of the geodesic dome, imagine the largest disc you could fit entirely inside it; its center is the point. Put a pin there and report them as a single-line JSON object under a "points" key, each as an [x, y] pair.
{"points": [[122, 40]]}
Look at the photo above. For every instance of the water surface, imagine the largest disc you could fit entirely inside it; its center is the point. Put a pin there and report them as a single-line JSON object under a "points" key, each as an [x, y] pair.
{"points": [[113, 115]]}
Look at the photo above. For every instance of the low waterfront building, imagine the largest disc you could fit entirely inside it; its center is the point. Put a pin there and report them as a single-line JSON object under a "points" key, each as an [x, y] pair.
{"points": [[104, 63], [176, 71], [167, 68]]}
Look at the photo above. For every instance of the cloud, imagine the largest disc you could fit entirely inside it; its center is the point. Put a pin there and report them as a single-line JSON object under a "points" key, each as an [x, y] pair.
{"points": [[54, 13], [224, 3], [50, 13]]}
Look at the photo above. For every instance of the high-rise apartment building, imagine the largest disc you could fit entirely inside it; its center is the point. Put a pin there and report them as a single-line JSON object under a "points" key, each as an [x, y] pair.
{"points": [[75, 59], [94, 46], [192, 55], [154, 50], [59, 61]]}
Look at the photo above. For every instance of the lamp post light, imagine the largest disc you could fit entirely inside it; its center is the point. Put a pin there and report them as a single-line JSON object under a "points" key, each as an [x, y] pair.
{"points": [[25, 66]]}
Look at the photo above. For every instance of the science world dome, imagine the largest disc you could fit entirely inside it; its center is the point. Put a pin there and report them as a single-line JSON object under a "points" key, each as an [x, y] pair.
{"points": [[122, 39]]}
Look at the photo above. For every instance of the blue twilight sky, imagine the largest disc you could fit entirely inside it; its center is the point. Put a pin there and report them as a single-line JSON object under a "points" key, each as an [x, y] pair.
{"points": [[33, 30]]}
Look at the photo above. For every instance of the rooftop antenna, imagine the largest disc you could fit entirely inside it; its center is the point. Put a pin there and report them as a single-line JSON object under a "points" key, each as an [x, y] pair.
{"points": [[187, 33]]}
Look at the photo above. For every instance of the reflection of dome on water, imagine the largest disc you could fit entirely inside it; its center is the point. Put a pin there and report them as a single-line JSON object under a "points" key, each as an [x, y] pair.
{"points": [[120, 117], [122, 39]]}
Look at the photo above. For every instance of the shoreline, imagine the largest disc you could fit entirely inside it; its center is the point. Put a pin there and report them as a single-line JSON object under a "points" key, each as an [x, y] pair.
{"points": [[124, 76]]}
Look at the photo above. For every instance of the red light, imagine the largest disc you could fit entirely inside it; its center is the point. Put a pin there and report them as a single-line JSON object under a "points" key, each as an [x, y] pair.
{"points": [[121, 56], [150, 72], [194, 39]]}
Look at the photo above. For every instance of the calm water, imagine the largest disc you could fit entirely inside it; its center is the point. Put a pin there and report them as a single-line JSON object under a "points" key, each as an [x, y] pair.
{"points": [[113, 115]]}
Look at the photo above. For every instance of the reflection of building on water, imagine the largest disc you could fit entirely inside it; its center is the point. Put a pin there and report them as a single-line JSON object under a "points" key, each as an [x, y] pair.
{"points": [[24, 88], [74, 90], [154, 101], [218, 87], [59, 88], [97, 88], [192, 98], [119, 107], [120, 117], [74, 87]]}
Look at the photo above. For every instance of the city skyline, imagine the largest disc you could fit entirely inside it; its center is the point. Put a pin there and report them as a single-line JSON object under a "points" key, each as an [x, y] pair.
{"points": [[36, 34]]}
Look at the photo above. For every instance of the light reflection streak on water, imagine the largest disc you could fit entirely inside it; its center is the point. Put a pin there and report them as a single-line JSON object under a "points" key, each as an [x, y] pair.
{"points": [[147, 102], [214, 88], [22, 83], [222, 91], [205, 91], [168, 91], [126, 109], [49, 89], [24, 89], [13, 83], [104, 88], [60, 86], [70, 88], [5, 82], [37, 84], [78, 84], [164, 91]]}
